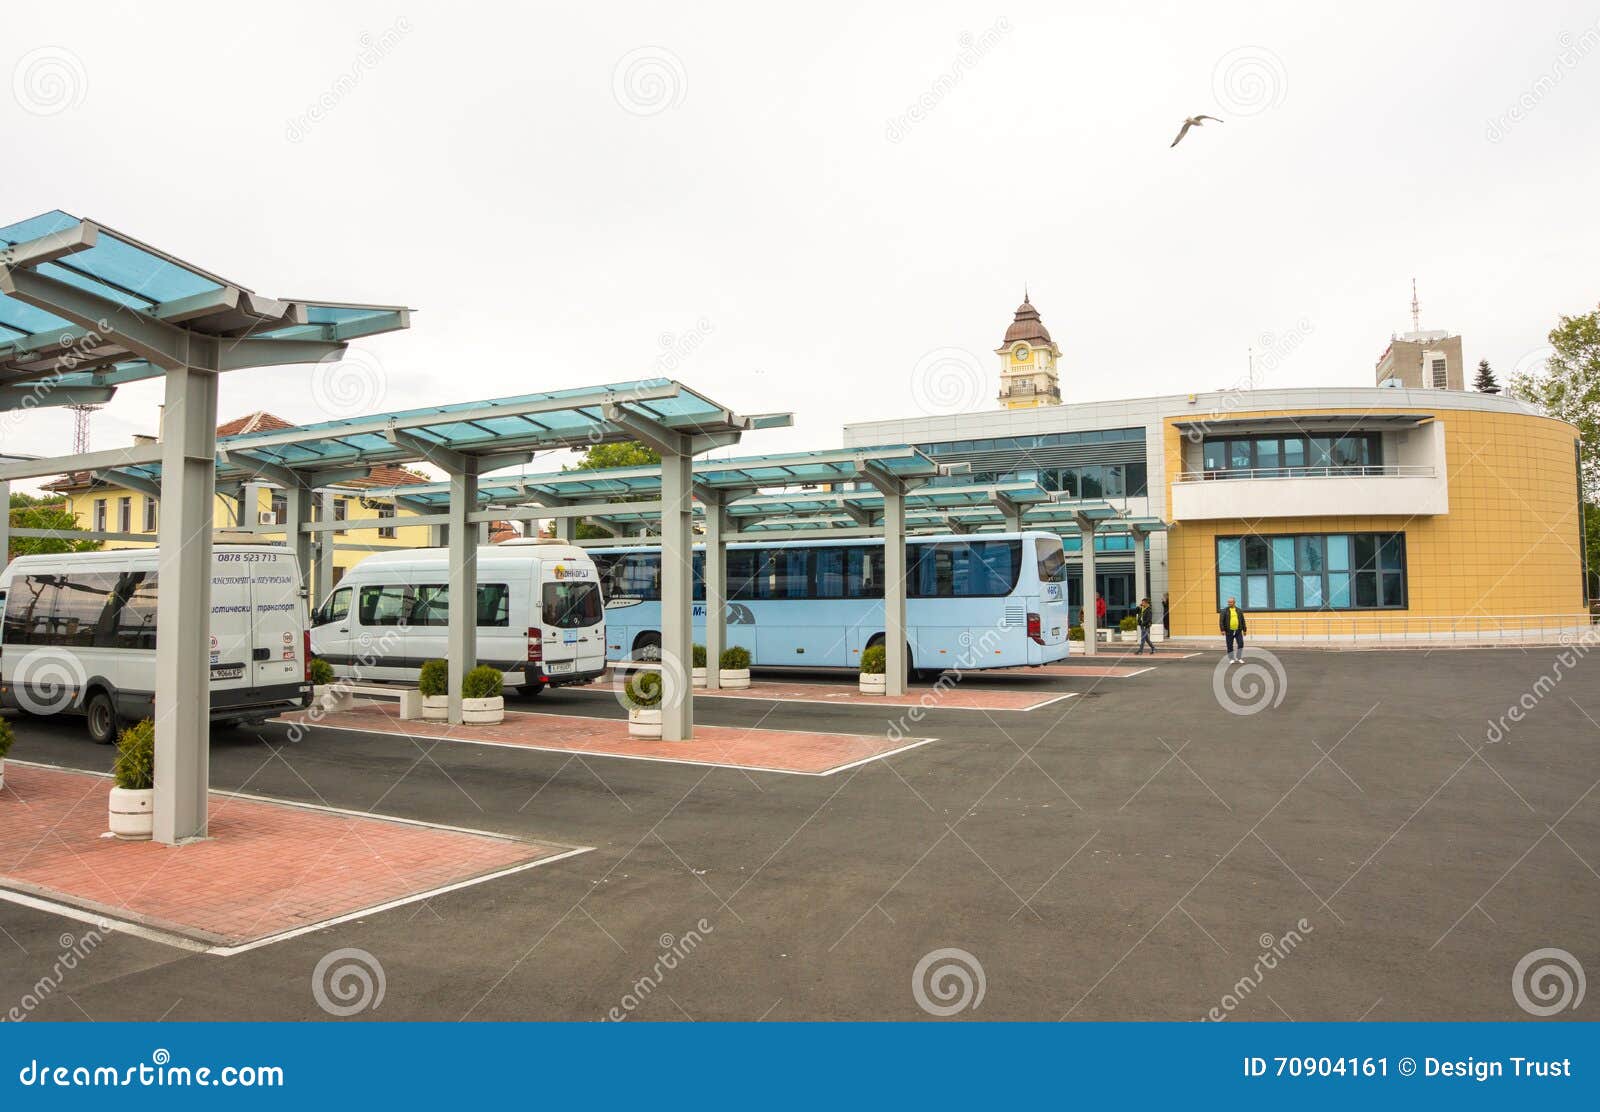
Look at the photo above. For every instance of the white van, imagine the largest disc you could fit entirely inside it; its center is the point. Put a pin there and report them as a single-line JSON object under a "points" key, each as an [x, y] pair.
{"points": [[540, 617], [79, 635]]}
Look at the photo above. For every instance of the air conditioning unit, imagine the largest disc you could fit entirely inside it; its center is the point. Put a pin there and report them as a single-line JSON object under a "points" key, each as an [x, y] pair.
{"points": [[267, 517]]}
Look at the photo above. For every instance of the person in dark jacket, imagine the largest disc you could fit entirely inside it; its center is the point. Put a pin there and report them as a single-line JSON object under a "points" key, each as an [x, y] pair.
{"points": [[1146, 615], [1230, 620]]}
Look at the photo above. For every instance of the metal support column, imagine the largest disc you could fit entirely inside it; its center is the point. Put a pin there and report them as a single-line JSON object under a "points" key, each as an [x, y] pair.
{"points": [[183, 621], [677, 596], [298, 505], [5, 526], [249, 516], [1141, 549], [894, 591], [716, 580], [462, 651], [323, 582], [1091, 620]]}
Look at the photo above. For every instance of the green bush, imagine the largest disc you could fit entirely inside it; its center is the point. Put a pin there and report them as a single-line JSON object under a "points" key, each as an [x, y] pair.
{"points": [[874, 661], [699, 656], [642, 689], [483, 682], [135, 769], [1128, 624], [6, 738], [735, 659], [434, 679], [321, 672], [1075, 633]]}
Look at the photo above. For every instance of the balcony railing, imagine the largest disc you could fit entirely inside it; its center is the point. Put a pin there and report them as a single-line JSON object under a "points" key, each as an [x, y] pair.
{"points": [[1325, 471]]}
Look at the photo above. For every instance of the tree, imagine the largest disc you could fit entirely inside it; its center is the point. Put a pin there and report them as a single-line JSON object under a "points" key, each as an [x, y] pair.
{"points": [[1568, 387], [1485, 383], [599, 457], [31, 512]]}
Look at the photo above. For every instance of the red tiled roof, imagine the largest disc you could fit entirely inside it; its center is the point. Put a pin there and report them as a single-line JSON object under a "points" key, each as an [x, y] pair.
{"points": [[259, 421]]}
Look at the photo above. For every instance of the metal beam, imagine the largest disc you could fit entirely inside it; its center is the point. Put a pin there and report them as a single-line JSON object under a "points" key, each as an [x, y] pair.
{"points": [[238, 355], [1091, 617], [114, 477], [183, 620], [452, 461], [48, 248], [163, 344], [131, 456], [677, 596], [462, 642], [44, 396]]}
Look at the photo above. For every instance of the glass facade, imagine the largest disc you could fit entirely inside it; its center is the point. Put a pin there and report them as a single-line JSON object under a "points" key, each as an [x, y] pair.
{"points": [[1292, 454], [1313, 571]]}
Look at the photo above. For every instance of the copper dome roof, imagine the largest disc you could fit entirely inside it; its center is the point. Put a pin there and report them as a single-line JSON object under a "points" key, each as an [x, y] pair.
{"points": [[1027, 325]]}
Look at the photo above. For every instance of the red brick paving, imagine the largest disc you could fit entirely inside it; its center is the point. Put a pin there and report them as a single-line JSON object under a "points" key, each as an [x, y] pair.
{"points": [[955, 697], [267, 867], [770, 750]]}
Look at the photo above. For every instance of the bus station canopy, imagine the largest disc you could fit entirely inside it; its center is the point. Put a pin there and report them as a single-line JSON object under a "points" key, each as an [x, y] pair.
{"points": [[744, 475], [84, 309]]}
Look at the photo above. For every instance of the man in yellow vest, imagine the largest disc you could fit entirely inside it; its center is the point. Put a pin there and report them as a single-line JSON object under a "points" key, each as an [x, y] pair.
{"points": [[1230, 620]]}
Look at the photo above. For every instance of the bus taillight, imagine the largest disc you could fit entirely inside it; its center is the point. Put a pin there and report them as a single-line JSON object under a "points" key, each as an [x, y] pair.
{"points": [[535, 645], [1035, 629]]}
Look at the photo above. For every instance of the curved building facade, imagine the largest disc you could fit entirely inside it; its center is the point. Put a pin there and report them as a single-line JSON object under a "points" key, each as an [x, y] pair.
{"points": [[1339, 513]]}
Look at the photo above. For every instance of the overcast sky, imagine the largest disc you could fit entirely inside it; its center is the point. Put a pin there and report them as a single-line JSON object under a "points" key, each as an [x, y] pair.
{"points": [[816, 208]]}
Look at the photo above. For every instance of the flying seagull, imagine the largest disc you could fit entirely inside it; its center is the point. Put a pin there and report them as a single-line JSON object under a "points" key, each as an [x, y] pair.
{"points": [[1192, 121]]}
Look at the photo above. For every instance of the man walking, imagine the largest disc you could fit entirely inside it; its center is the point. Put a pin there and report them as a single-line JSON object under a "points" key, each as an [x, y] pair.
{"points": [[1146, 614], [1230, 620]]}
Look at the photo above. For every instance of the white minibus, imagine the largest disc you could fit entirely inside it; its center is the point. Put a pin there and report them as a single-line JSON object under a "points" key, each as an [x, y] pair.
{"points": [[79, 635], [540, 617]]}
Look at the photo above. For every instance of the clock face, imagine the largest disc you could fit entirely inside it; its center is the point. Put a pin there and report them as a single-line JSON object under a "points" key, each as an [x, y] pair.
{"points": [[1020, 353]]}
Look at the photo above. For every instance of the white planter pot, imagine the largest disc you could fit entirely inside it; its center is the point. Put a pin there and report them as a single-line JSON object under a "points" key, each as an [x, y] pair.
{"points": [[133, 813], [2, 775], [1127, 636], [436, 708], [733, 678], [644, 722], [699, 677], [484, 712], [328, 696], [873, 684]]}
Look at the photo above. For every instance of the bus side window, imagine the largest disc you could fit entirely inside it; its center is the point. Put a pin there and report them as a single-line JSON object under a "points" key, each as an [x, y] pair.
{"points": [[864, 572], [741, 573], [381, 606]]}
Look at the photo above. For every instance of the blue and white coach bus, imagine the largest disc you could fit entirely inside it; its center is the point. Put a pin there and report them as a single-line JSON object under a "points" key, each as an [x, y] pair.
{"points": [[998, 600]]}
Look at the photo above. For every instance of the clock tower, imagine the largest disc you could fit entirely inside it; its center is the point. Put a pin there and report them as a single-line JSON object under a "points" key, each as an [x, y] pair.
{"points": [[1028, 357]]}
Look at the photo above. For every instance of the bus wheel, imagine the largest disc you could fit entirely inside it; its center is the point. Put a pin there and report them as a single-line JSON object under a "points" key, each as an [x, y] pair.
{"points": [[100, 714], [647, 648]]}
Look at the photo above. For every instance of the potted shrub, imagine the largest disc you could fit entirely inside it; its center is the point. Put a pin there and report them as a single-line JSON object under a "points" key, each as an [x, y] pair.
{"points": [[641, 691], [133, 798], [1129, 627], [1075, 633], [434, 683], [482, 696], [699, 665], [6, 738], [874, 663], [733, 669]]}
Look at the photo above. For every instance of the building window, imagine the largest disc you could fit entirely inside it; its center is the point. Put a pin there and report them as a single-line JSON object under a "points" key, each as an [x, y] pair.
{"points": [[1313, 571], [341, 512], [280, 508], [150, 519], [99, 515], [1438, 378], [125, 514], [1273, 457], [385, 512]]}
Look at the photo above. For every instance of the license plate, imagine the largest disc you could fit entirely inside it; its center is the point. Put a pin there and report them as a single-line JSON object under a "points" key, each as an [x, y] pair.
{"points": [[557, 667], [1055, 631], [226, 671]]}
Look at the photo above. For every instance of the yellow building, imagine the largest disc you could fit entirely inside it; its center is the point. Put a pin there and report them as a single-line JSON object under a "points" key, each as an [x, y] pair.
{"points": [[1344, 513], [106, 507], [1028, 358]]}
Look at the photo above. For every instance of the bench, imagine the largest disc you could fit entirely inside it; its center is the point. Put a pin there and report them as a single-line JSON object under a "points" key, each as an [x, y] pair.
{"points": [[410, 698]]}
